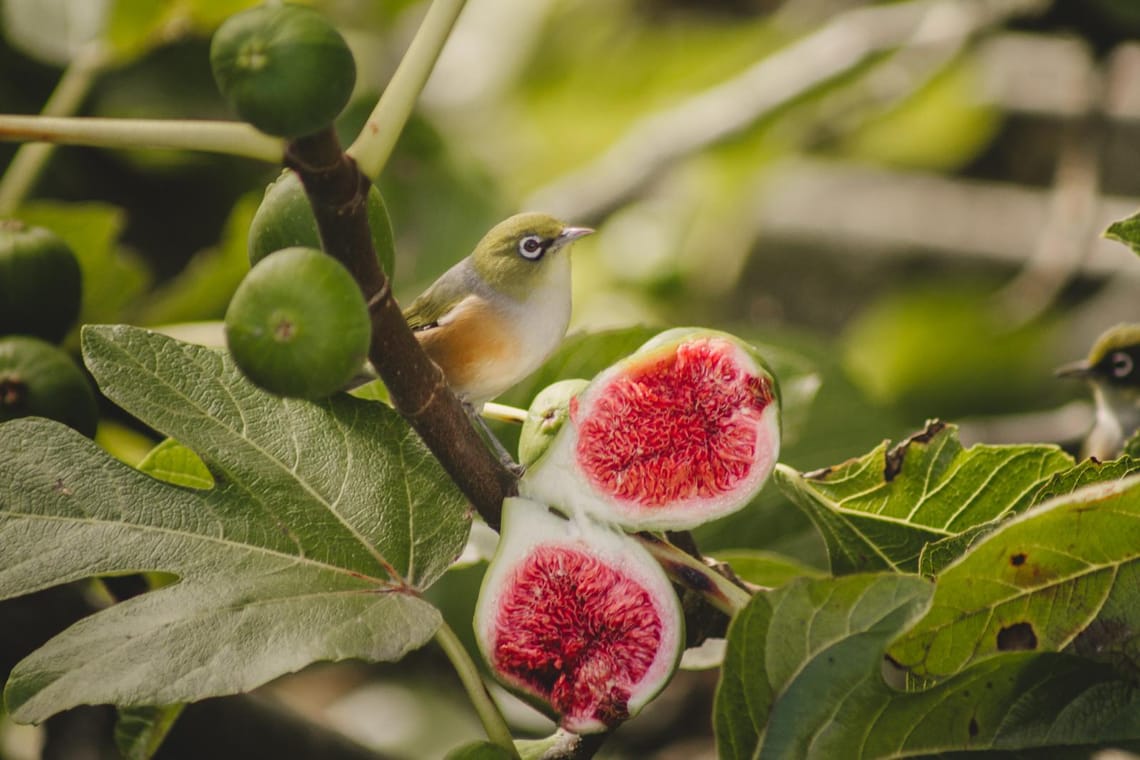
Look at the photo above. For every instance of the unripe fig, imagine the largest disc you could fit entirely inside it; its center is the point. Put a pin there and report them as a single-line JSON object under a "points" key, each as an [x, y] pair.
{"points": [[546, 416], [285, 219], [684, 430], [38, 379], [298, 325], [40, 282], [284, 68], [577, 617]]}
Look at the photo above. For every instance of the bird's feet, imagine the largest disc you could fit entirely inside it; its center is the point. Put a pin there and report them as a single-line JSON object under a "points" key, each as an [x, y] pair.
{"points": [[493, 441]]}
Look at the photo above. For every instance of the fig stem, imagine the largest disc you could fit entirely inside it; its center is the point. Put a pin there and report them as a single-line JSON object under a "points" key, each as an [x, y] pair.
{"points": [[338, 193], [228, 137], [693, 574], [374, 145], [65, 100], [504, 413], [493, 722]]}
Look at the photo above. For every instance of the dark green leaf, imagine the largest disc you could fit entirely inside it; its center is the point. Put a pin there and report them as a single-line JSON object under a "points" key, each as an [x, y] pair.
{"points": [[325, 523], [765, 568], [139, 731], [1062, 576], [202, 290], [803, 679], [479, 751], [879, 511]]}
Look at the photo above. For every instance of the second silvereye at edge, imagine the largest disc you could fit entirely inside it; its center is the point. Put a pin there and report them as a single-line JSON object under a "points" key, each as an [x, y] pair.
{"points": [[1112, 369], [495, 316]]}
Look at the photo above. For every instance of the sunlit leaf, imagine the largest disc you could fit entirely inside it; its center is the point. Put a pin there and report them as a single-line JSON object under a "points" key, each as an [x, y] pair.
{"points": [[139, 731], [1063, 576], [112, 277], [879, 511]]}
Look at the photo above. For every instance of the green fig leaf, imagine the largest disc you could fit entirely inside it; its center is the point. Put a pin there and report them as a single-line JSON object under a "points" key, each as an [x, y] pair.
{"points": [[1126, 231], [803, 679], [879, 511], [140, 731], [1084, 473], [480, 751], [766, 568], [1064, 576], [173, 463], [325, 522], [203, 288], [938, 555]]}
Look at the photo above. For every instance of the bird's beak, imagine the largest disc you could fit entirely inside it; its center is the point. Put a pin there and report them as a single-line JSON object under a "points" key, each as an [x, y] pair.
{"points": [[1079, 370], [570, 234]]}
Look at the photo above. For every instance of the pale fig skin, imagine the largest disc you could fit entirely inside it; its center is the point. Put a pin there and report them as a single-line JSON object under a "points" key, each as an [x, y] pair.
{"points": [[545, 417], [529, 531], [635, 492]]}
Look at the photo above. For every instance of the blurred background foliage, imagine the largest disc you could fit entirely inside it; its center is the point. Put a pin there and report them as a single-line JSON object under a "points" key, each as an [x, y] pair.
{"points": [[902, 201]]}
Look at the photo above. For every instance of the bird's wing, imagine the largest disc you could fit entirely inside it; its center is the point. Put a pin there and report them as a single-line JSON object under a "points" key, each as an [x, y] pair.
{"points": [[440, 297]]}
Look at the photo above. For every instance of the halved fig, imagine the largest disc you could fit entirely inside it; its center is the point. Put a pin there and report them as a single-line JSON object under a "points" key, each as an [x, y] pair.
{"points": [[683, 431], [577, 618]]}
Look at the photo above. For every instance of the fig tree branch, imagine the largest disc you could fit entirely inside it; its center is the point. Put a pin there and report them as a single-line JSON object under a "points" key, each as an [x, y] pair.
{"points": [[338, 192]]}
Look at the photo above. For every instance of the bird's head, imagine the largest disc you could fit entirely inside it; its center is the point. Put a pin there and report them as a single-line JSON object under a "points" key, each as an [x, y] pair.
{"points": [[517, 253], [1113, 360]]}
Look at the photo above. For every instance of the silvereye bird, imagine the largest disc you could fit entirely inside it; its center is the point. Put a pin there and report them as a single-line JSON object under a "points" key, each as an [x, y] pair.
{"points": [[495, 316], [1113, 370]]}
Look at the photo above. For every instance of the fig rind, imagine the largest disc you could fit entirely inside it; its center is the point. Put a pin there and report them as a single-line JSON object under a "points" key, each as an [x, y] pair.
{"points": [[284, 68], [298, 325], [285, 220], [596, 647], [683, 431], [545, 417], [40, 282], [38, 379]]}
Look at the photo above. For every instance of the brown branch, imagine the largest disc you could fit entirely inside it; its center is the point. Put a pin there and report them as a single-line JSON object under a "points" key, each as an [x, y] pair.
{"points": [[338, 193]]}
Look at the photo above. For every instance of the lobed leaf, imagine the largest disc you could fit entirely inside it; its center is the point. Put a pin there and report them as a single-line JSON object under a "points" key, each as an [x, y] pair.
{"points": [[324, 523], [879, 511], [1065, 575], [803, 679]]}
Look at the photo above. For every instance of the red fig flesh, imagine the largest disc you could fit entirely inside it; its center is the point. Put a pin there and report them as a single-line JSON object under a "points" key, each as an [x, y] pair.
{"points": [[577, 617], [683, 431]]}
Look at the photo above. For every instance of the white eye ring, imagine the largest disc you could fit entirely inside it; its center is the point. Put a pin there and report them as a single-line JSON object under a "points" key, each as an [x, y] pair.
{"points": [[531, 247], [1121, 364]]}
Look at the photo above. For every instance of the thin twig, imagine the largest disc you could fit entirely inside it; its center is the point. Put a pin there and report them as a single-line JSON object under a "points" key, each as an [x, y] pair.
{"points": [[493, 722], [374, 144], [66, 98]]}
